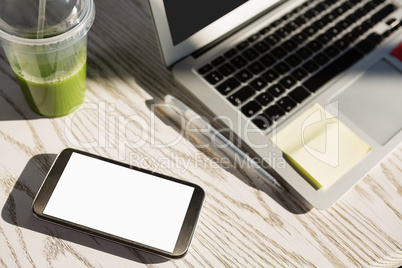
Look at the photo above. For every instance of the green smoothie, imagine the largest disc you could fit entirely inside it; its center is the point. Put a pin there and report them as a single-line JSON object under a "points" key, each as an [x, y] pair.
{"points": [[54, 98], [46, 46], [53, 83]]}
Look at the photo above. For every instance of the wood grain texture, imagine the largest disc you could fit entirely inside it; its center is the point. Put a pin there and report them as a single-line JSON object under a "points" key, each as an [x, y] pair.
{"points": [[244, 222]]}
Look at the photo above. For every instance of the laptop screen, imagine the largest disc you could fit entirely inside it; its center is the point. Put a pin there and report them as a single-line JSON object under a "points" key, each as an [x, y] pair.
{"points": [[188, 17], [184, 26]]}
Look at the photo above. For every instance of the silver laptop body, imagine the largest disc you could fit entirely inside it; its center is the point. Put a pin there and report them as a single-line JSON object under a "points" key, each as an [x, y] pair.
{"points": [[365, 87]]}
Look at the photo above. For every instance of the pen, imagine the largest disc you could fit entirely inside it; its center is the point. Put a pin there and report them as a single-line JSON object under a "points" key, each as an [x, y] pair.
{"points": [[200, 123]]}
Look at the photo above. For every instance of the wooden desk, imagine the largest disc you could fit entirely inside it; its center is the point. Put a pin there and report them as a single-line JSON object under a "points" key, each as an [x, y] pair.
{"points": [[243, 224]]}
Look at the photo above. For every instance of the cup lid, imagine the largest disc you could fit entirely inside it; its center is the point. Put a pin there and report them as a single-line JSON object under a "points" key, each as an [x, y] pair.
{"points": [[44, 21]]}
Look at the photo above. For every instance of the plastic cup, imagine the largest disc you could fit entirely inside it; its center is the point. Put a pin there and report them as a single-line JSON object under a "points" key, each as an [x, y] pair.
{"points": [[47, 51]]}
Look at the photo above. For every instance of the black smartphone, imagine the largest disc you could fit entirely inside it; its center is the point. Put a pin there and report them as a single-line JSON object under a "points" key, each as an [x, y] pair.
{"points": [[119, 202]]}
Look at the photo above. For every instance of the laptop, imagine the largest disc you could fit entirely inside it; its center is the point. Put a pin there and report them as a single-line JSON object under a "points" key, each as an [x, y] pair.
{"points": [[276, 72]]}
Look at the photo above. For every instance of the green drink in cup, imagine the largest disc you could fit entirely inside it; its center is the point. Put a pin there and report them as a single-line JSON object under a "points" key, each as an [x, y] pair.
{"points": [[46, 45]]}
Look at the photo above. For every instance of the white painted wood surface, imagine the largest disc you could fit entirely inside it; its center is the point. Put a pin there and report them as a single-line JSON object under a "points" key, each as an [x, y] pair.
{"points": [[243, 224]]}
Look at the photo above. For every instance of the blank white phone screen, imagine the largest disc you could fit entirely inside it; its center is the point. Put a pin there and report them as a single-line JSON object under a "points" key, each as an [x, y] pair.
{"points": [[120, 201]]}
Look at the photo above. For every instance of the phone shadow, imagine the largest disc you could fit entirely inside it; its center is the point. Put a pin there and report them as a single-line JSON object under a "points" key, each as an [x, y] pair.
{"points": [[288, 198], [18, 211]]}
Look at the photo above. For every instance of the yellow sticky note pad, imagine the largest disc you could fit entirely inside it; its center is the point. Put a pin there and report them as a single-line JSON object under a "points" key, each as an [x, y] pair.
{"points": [[320, 147]]}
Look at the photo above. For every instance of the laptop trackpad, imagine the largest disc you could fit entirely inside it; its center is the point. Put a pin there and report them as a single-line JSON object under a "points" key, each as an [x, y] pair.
{"points": [[373, 102]]}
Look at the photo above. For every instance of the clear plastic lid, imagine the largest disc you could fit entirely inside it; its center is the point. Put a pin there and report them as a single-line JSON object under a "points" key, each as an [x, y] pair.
{"points": [[44, 22]]}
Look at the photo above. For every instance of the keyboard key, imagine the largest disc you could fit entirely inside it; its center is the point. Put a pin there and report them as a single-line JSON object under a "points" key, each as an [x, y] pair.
{"points": [[241, 95], [366, 46], [375, 38], [350, 36], [228, 86], [343, 24], [342, 44], [287, 16], [250, 54], [230, 53], [378, 2], [251, 108], [299, 74], [205, 69], [262, 121], [311, 13], [347, 5], [337, 66], [355, 2], [352, 18], [242, 45], [333, 31], [299, 94], [324, 38], [281, 68], [226, 69], [286, 104], [339, 10], [304, 53], [219, 60], [320, 24], [300, 38], [310, 31], [301, 20], [214, 77], [314, 45], [238, 61], [264, 98], [261, 46], [361, 12], [276, 90], [283, 32], [395, 27], [321, 59], [359, 30], [292, 25], [256, 67], [270, 75], [310, 66], [329, 17], [258, 84], [331, 51], [267, 60], [368, 24], [274, 112], [244, 75], [390, 21], [253, 38], [290, 45], [272, 39], [293, 60], [384, 12], [265, 30], [320, 7], [330, 2], [288, 82], [279, 53], [277, 23]]}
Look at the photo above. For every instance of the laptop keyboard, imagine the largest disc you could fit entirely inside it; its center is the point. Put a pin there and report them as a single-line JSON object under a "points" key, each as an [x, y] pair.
{"points": [[272, 71]]}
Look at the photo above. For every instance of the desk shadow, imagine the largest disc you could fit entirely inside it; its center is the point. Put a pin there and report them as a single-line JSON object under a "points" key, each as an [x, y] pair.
{"points": [[288, 198], [13, 105], [18, 211]]}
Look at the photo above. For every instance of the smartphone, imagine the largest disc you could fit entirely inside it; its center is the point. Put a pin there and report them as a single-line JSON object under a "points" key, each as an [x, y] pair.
{"points": [[128, 205]]}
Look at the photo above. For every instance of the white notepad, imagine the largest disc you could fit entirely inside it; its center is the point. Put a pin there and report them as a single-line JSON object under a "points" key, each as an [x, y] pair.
{"points": [[320, 147]]}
